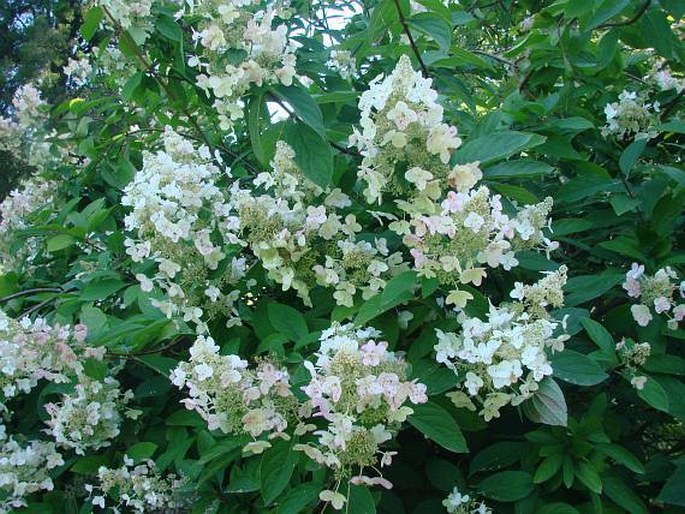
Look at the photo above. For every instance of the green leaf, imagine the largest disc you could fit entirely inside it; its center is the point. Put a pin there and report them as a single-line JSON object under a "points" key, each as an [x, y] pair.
{"points": [[557, 508], [658, 29], [547, 405], [497, 456], [298, 499], [588, 287], [665, 363], [622, 494], [89, 464], [599, 335], [495, 146], [577, 368], [677, 126], [622, 456], [100, 289], [460, 57], [132, 85], [141, 451], [434, 26], [673, 491], [161, 364], [257, 119], [94, 319], [506, 486], [523, 168], [436, 423], [304, 105], [312, 153], [277, 466], [589, 477], [168, 27], [288, 321], [631, 154], [399, 289], [91, 22], [654, 395], [549, 467], [60, 242], [360, 501]]}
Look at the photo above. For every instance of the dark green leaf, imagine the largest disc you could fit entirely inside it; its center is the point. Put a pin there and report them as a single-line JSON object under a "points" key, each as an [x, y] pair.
{"points": [[312, 153], [576, 368], [506, 486], [547, 405], [438, 425]]}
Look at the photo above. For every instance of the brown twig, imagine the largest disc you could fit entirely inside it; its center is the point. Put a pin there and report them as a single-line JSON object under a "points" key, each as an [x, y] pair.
{"points": [[176, 342], [27, 292], [412, 43], [629, 21]]}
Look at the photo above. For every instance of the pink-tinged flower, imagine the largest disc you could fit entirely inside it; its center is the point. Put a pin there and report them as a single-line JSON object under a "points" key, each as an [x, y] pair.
{"points": [[636, 271], [641, 314], [679, 312], [364, 480], [662, 304], [373, 353], [419, 258], [633, 288]]}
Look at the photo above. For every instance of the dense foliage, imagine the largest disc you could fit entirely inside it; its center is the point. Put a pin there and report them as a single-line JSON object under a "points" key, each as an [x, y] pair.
{"points": [[371, 256]]}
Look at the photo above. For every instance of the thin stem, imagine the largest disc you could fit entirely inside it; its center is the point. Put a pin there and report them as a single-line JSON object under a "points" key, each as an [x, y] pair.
{"points": [[412, 43], [629, 21], [30, 291]]}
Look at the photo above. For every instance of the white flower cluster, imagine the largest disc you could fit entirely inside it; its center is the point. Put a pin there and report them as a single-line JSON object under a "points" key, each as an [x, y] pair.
{"points": [[232, 397], [631, 115], [89, 417], [471, 230], [133, 17], [343, 62], [259, 46], [458, 503], [360, 389], [78, 71], [15, 211], [31, 351], [503, 359], [662, 77], [633, 356], [22, 134], [660, 292], [140, 488], [25, 470], [303, 241], [402, 128], [180, 217]]}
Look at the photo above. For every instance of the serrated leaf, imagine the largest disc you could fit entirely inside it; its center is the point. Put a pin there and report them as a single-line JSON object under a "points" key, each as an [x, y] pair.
{"points": [[60, 242], [547, 405], [141, 451], [577, 368], [91, 22], [277, 466], [304, 106], [312, 153], [434, 26], [168, 27], [506, 486], [433, 421], [288, 321], [599, 335], [495, 146]]}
